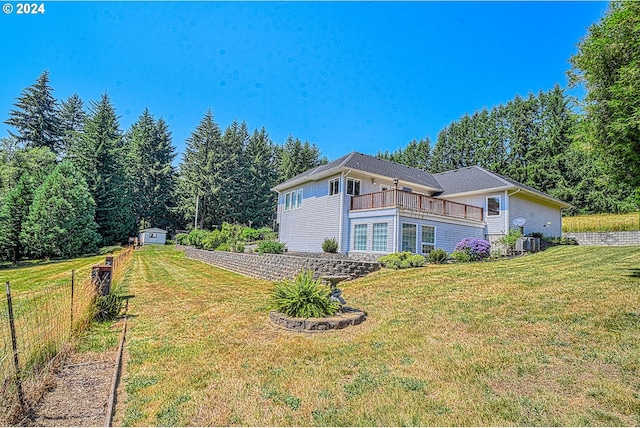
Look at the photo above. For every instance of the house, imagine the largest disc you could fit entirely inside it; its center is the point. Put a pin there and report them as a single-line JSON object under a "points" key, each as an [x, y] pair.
{"points": [[152, 236], [375, 206]]}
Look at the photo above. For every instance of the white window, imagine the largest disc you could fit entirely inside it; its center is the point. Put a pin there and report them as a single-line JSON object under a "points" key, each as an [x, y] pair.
{"points": [[428, 239], [493, 206], [360, 237], [379, 237], [353, 186], [299, 198], [293, 200], [409, 237], [287, 201], [334, 186]]}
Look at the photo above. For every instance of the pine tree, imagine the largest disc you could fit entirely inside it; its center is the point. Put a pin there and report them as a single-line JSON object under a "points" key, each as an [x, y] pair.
{"points": [[195, 182], [72, 118], [15, 209], [100, 156], [36, 118], [151, 172], [261, 173], [295, 157], [61, 222]]}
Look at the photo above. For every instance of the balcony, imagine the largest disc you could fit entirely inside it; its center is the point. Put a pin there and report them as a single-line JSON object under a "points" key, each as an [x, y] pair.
{"points": [[416, 202]]}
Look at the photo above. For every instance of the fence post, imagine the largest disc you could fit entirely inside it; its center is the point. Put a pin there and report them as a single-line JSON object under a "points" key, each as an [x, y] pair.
{"points": [[14, 345], [73, 275]]}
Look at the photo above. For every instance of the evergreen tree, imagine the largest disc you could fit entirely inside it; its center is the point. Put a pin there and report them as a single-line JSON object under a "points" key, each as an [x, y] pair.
{"points": [[195, 182], [100, 156], [261, 173], [72, 118], [61, 222], [295, 157], [151, 173], [417, 154], [15, 209], [36, 117], [36, 163], [607, 64], [229, 175]]}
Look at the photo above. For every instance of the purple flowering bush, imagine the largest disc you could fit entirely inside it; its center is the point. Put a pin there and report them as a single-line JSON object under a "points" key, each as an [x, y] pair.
{"points": [[472, 249]]}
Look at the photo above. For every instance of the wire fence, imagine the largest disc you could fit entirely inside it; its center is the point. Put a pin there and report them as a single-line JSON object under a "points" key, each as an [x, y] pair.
{"points": [[37, 327]]}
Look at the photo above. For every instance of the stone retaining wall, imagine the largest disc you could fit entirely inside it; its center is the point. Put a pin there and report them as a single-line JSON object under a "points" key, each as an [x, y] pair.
{"points": [[274, 267], [605, 238]]}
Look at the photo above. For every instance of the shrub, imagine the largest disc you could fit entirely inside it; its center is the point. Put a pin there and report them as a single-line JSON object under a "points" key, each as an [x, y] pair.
{"points": [[560, 240], [402, 260], [239, 247], [511, 238], [213, 240], [438, 256], [182, 239], [461, 256], [271, 247], [330, 245], [109, 250], [107, 308], [196, 238], [304, 297], [477, 249]]}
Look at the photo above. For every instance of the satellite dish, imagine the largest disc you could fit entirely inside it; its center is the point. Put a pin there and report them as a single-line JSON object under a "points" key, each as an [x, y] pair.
{"points": [[519, 222]]}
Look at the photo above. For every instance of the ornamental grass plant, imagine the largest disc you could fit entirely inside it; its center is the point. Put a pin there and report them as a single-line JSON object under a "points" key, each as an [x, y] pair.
{"points": [[304, 297]]}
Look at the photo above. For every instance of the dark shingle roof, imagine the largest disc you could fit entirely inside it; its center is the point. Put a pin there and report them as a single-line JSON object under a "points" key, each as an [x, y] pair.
{"points": [[358, 161], [475, 178]]}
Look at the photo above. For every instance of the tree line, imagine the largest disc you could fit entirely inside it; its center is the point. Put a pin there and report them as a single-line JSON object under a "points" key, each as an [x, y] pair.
{"points": [[71, 180], [538, 141], [583, 151]]}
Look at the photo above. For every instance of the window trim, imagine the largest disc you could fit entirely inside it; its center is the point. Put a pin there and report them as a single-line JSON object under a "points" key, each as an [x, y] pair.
{"points": [[386, 237], [331, 181], [415, 243], [357, 227], [354, 181], [423, 242], [293, 199], [499, 198]]}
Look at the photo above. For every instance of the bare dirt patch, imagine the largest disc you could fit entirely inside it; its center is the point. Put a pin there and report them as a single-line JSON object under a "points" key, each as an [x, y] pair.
{"points": [[79, 392]]}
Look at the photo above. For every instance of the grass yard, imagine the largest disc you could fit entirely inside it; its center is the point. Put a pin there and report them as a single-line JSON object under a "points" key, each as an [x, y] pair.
{"points": [[602, 223], [33, 275], [546, 339]]}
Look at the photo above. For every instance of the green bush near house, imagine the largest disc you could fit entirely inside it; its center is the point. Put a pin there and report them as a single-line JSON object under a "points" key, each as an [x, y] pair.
{"points": [[330, 245], [304, 297], [270, 247], [438, 256], [402, 260]]}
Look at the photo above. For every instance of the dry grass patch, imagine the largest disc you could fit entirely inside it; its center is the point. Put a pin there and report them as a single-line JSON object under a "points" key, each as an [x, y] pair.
{"points": [[547, 339]]}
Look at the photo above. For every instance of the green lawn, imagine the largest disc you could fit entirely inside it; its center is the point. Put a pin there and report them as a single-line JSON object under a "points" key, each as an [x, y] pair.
{"points": [[546, 339], [33, 275]]}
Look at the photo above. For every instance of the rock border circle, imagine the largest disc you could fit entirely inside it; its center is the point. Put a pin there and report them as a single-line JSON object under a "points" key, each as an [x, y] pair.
{"points": [[346, 318]]}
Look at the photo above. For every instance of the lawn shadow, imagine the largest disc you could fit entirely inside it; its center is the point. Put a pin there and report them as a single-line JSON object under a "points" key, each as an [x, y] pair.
{"points": [[634, 273]]}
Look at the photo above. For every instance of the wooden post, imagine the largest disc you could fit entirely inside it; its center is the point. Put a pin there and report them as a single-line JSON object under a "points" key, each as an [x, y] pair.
{"points": [[14, 345], [73, 275]]}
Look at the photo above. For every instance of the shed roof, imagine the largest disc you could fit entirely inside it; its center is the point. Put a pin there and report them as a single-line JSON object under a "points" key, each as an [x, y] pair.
{"points": [[153, 230]]}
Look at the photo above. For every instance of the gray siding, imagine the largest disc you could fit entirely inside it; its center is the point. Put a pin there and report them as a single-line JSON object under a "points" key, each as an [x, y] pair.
{"points": [[537, 214], [447, 234], [305, 228]]}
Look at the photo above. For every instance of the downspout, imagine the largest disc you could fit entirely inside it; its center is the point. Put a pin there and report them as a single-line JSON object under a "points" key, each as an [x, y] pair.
{"points": [[508, 211], [342, 186]]}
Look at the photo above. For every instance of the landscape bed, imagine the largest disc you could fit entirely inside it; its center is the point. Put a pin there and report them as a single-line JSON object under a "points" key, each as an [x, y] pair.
{"points": [[546, 339]]}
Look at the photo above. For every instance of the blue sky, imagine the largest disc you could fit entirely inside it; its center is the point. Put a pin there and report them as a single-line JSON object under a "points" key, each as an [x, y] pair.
{"points": [[363, 76]]}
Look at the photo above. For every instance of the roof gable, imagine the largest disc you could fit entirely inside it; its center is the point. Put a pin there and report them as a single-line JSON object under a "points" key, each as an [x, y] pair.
{"points": [[365, 163]]}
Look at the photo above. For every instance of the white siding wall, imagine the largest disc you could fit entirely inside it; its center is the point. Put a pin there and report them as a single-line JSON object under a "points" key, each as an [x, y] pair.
{"points": [[370, 221], [305, 228], [537, 214], [495, 224]]}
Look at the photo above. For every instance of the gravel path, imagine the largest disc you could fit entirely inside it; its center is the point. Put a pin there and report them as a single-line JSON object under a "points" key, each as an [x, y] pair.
{"points": [[80, 392]]}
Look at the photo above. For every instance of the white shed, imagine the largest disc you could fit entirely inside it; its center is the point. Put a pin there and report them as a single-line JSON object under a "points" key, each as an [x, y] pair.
{"points": [[152, 235]]}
